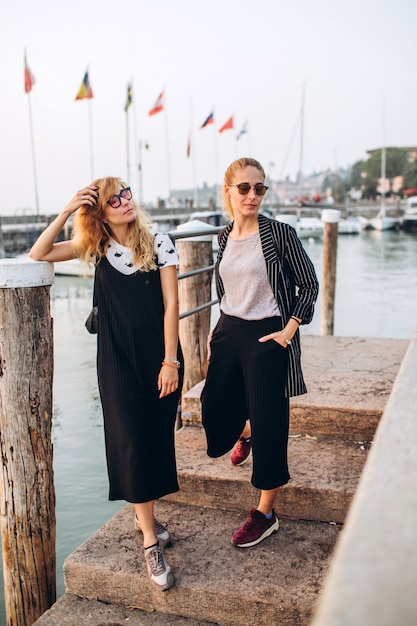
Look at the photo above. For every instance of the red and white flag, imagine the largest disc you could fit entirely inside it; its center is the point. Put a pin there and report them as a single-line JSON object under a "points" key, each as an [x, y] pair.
{"points": [[159, 105], [29, 77]]}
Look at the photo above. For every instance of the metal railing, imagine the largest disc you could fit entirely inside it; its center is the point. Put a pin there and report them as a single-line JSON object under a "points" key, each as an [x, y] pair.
{"points": [[203, 232]]}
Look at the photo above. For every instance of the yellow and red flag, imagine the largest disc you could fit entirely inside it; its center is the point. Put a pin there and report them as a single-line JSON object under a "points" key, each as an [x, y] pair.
{"points": [[85, 90]]}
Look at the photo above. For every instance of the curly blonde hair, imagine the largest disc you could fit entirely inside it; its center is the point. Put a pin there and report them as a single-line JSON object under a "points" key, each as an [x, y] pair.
{"points": [[229, 176], [91, 236]]}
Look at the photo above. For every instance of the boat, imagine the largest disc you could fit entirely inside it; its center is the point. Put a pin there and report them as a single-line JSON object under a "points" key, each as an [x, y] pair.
{"points": [[383, 222], [352, 225], [213, 218], [309, 227], [409, 219], [306, 227], [73, 267]]}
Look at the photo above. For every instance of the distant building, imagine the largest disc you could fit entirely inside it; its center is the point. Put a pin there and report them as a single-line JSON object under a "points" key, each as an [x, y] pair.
{"points": [[287, 192], [206, 196], [280, 193]]}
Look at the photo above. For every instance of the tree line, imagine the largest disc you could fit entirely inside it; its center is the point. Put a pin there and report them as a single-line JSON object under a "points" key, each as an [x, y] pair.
{"points": [[365, 175]]}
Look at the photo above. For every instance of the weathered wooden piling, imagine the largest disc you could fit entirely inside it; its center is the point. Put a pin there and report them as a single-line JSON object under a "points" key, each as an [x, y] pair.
{"points": [[27, 506], [331, 218], [194, 291]]}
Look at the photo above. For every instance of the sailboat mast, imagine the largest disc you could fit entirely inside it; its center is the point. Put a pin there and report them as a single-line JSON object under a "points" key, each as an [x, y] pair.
{"points": [[300, 167], [383, 160]]}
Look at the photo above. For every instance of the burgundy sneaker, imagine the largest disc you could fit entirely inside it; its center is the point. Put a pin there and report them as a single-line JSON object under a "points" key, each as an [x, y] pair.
{"points": [[256, 528], [241, 451]]}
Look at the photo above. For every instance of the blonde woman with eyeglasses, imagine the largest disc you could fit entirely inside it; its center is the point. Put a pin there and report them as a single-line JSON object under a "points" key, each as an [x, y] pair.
{"points": [[138, 353], [267, 287]]}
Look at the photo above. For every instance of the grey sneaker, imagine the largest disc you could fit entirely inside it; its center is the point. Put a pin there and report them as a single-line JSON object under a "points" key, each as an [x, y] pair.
{"points": [[158, 569], [161, 532]]}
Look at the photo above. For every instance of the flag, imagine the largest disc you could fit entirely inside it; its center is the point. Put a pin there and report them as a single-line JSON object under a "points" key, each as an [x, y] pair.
{"points": [[188, 147], [85, 90], [209, 120], [29, 77], [129, 97], [243, 130], [227, 125], [159, 105]]}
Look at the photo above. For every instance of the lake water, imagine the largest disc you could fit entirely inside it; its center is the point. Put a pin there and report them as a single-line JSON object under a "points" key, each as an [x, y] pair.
{"points": [[376, 296]]}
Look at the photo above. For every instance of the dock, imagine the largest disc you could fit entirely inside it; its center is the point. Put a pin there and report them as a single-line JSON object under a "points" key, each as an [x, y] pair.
{"points": [[281, 580], [19, 232]]}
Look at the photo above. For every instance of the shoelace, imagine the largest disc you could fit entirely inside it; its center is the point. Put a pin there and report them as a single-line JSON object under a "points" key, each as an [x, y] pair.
{"points": [[156, 561], [250, 522]]}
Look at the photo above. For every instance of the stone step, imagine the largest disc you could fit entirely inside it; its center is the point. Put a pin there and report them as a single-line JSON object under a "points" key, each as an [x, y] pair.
{"points": [[309, 414], [349, 380], [71, 610], [275, 582], [324, 472]]}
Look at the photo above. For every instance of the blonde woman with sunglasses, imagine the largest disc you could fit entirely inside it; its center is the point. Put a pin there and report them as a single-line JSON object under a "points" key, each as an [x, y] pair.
{"points": [[138, 353], [267, 288]]}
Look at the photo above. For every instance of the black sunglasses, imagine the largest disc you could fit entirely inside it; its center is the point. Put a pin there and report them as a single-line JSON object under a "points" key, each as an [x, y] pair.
{"points": [[244, 188], [116, 200]]}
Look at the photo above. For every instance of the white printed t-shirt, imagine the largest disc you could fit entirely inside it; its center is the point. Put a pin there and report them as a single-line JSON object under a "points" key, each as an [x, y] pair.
{"points": [[121, 257]]}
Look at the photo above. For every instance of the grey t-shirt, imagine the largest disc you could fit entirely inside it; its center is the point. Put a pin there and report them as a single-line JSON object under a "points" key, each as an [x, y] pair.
{"points": [[248, 293]]}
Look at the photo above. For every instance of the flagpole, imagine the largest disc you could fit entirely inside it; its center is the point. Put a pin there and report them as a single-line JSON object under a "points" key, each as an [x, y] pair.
{"points": [[127, 146], [90, 118], [216, 160], [300, 168], [33, 155], [194, 154], [138, 149], [167, 145], [85, 91], [282, 173]]}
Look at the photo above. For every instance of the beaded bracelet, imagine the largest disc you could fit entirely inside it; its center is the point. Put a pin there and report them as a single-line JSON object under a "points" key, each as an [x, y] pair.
{"points": [[170, 363], [288, 341]]}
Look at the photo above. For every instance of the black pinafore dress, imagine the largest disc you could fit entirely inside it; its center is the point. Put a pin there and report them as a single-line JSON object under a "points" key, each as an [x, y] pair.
{"points": [[138, 426]]}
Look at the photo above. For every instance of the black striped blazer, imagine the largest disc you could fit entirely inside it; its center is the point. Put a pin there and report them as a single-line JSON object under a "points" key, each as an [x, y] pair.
{"points": [[293, 280]]}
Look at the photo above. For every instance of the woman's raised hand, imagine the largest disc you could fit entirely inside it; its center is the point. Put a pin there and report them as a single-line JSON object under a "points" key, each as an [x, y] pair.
{"points": [[86, 196]]}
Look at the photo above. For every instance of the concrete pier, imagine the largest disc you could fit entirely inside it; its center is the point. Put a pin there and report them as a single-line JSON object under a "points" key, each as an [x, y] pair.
{"points": [[280, 580]]}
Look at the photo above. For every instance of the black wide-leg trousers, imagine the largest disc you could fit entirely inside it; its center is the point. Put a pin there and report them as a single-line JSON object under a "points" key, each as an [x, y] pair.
{"points": [[246, 380]]}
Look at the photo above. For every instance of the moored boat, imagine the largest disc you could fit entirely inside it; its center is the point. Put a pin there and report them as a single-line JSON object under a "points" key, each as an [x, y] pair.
{"points": [[351, 225], [383, 222], [73, 267], [409, 219]]}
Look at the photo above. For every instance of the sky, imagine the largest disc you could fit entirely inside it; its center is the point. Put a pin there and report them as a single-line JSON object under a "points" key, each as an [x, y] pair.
{"points": [[353, 60]]}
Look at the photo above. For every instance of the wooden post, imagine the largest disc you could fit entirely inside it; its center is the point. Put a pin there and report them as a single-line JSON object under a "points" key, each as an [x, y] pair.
{"points": [[330, 217], [195, 252], [27, 506]]}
